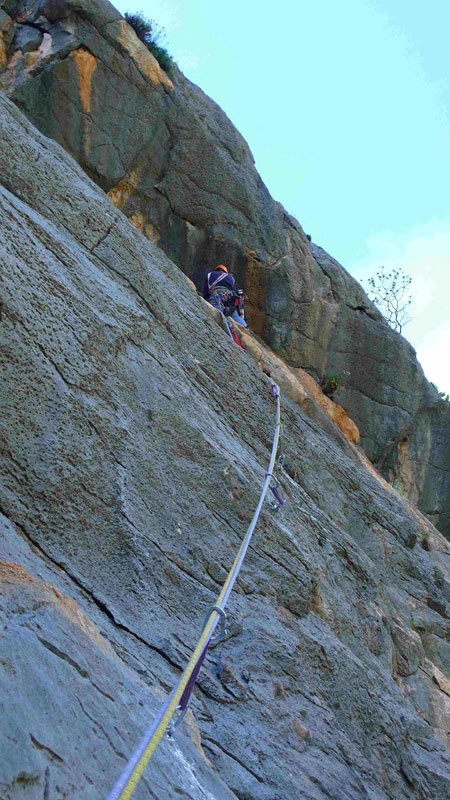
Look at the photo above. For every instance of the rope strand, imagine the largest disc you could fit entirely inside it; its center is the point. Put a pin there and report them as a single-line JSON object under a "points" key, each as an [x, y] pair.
{"points": [[126, 784]]}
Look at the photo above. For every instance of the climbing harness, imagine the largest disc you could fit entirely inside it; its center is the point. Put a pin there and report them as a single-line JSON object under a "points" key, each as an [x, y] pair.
{"points": [[173, 710], [212, 286]]}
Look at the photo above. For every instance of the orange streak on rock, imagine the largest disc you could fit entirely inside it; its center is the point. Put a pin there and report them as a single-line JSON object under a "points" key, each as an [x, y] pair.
{"points": [[4, 28], [144, 60], [11, 574], [3, 58], [85, 64], [138, 220], [121, 193], [256, 277], [334, 411], [298, 385], [31, 593]]}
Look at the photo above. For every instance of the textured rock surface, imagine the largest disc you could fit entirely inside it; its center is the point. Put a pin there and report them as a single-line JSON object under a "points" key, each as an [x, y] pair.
{"points": [[72, 706], [172, 161], [404, 424], [135, 437]]}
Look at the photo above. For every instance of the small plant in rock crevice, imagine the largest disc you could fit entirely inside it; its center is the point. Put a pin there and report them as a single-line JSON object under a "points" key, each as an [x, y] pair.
{"points": [[425, 541], [331, 383], [149, 32]]}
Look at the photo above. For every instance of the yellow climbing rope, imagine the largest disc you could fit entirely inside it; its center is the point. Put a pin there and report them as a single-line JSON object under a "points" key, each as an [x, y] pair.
{"points": [[132, 773]]}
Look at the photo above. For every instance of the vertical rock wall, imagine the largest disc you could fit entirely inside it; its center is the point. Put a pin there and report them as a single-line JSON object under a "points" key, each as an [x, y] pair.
{"points": [[135, 439], [169, 158]]}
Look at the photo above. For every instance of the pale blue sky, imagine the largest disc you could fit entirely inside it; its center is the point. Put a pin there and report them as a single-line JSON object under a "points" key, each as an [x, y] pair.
{"points": [[345, 107]]}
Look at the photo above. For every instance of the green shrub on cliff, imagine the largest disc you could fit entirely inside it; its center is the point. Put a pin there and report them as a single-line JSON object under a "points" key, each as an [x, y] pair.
{"points": [[331, 384], [151, 35], [442, 395]]}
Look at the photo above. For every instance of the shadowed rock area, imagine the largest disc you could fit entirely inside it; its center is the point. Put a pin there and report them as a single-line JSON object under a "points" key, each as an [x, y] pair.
{"points": [[135, 438], [169, 158]]}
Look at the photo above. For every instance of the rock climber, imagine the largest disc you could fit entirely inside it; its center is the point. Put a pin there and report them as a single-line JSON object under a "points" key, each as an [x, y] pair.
{"points": [[220, 290]]}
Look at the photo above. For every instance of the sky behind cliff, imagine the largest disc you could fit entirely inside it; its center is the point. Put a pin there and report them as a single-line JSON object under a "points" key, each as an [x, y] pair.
{"points": [[345, 108]]}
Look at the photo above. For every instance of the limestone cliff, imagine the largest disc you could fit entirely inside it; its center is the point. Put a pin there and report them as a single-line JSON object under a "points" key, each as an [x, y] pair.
{"points": [[135, 437], [172, 161]]}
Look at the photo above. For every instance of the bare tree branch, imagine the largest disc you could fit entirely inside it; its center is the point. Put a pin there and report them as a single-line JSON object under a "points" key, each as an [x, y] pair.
{"points": [[388, 290]]}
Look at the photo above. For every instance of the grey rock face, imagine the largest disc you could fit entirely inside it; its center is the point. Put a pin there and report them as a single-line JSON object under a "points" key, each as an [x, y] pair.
{"points": [[404, 424], [174, 163], [73, 707], [135, 438], [27, 38]]}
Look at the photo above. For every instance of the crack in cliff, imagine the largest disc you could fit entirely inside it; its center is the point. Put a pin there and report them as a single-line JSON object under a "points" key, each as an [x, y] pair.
{"points": [[165, 168], [103, 237], [92, 493], [336, 296], [222, 519], [370, 355], [441, 469], [151, 309], [265, 555], [104, 441], [173, 138], [176, 214], [257, 551], [184, 570], [63, 656], [177, 564], [230, 755], [420, 600], [408, 411], [105, 733], [331, 288], [190, 181], [40, 746]]}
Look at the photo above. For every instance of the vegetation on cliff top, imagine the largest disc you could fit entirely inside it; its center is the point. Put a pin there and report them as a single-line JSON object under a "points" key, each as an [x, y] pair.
{"points": [[151, 35]]}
